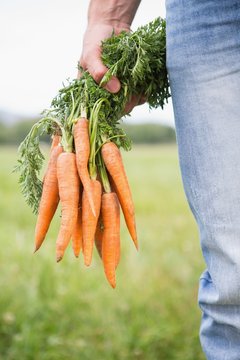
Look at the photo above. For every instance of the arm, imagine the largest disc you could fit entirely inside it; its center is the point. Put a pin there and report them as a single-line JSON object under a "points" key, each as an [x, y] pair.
{"points": [[104, 17]]}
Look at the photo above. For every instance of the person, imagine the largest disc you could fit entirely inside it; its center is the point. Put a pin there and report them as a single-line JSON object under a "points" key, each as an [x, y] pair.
{"points": [[203, 62]]}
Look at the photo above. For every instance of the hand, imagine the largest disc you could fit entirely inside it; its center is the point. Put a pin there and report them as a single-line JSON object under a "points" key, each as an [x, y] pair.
{"points": [[91, 58], [91, 54]]}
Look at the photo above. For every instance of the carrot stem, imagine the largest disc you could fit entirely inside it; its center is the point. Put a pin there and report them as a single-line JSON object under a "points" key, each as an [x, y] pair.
{"points": [[93, 125], [67, 142], [107, 140], [103, 174], [38, 125]]}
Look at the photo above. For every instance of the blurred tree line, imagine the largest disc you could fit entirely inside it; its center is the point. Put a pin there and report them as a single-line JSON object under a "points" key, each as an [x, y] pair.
{"points": [[13, 134], [150, 133]]}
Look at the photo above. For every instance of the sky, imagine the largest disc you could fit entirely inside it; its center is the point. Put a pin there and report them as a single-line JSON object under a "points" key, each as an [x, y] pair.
{"points": [[40, 44]]}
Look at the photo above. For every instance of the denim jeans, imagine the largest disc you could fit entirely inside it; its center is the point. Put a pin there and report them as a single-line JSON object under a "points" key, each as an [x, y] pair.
{"points": [[203, 60]]}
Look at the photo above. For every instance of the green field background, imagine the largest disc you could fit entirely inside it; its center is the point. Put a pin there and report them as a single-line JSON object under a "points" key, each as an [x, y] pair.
{"points": [[52, 311]]}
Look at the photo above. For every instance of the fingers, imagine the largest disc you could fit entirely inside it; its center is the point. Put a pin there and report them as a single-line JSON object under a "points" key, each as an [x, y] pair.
{"points": [[91, 52], [93, 64], [134, 101], [113, 85], [98, 70], [91, 61]]}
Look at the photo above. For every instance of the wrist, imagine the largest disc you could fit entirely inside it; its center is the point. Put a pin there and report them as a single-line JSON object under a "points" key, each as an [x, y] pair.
{"points": [[114, 13], [111, 23]]}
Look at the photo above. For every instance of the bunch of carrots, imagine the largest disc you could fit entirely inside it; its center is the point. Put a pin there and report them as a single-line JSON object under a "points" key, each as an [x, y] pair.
{"points": [[89, 204], [85, 172]]}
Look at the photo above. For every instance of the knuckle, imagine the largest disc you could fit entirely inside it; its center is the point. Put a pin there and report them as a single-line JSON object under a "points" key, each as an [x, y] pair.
{"points": [[97, 73], [82, 62], [89, 61]]}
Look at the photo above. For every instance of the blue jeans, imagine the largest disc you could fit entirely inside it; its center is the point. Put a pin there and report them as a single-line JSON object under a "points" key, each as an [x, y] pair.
{"points": [[203, 60]]}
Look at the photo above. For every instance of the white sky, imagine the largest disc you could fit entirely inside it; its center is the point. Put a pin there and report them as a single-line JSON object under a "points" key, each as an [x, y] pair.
{"points": [[40, 44]]}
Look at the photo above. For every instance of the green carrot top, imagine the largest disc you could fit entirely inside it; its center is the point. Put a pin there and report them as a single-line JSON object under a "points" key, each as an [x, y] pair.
{"points": [[138, 60]]}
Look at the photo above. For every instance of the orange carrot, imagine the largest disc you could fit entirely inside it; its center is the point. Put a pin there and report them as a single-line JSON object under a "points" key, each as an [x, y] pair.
{"points": [[77, 233], [49, 200], [89, 221], [118, 245], [56, 139], [69, 184], [118, 251], [99, 236], [82, 148], [114, 164], [111, 233]]}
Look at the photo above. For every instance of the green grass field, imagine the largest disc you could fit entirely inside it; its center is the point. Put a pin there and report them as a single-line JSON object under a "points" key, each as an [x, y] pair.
{"points": [[62, 311]]}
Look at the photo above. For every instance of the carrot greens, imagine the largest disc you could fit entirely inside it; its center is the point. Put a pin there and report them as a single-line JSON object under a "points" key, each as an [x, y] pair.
{"points": [[138, 59], [86, 173]]}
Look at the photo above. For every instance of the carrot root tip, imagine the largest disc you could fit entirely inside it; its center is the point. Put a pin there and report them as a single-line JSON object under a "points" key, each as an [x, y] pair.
{"points": [[113, 284], [36, 249], [59, 258], [76, 253]]}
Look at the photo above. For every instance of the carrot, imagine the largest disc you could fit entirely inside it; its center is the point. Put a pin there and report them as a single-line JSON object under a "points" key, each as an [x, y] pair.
{"points": [[56, 139], [99, 240], [77, 233], [69, 184], [114, 164], [49, 199], [99, 236], [118, 252], [82, 148], [89, 221], [111, 233], [118, 245]]}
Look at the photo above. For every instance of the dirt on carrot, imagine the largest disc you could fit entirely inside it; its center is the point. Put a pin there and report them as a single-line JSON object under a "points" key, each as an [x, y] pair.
{"points": [[99, 236]]}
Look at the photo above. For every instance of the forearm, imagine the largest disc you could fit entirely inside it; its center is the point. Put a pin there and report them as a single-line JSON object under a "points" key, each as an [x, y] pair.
{"points": [[114, 12]]}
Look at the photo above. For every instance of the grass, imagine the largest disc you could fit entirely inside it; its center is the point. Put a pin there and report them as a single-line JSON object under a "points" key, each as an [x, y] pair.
{"points": [[52, 311]]}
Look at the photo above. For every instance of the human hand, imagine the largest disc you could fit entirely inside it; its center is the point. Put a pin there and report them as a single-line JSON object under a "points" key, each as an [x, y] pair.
{"points": [[91, 58]]}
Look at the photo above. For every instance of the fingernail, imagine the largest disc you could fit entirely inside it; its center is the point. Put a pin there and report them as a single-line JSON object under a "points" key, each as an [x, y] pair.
{"points": [[113, 85]]}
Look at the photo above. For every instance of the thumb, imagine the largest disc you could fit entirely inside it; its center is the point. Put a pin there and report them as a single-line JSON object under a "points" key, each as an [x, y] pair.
{"points": [[97, 69]]}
